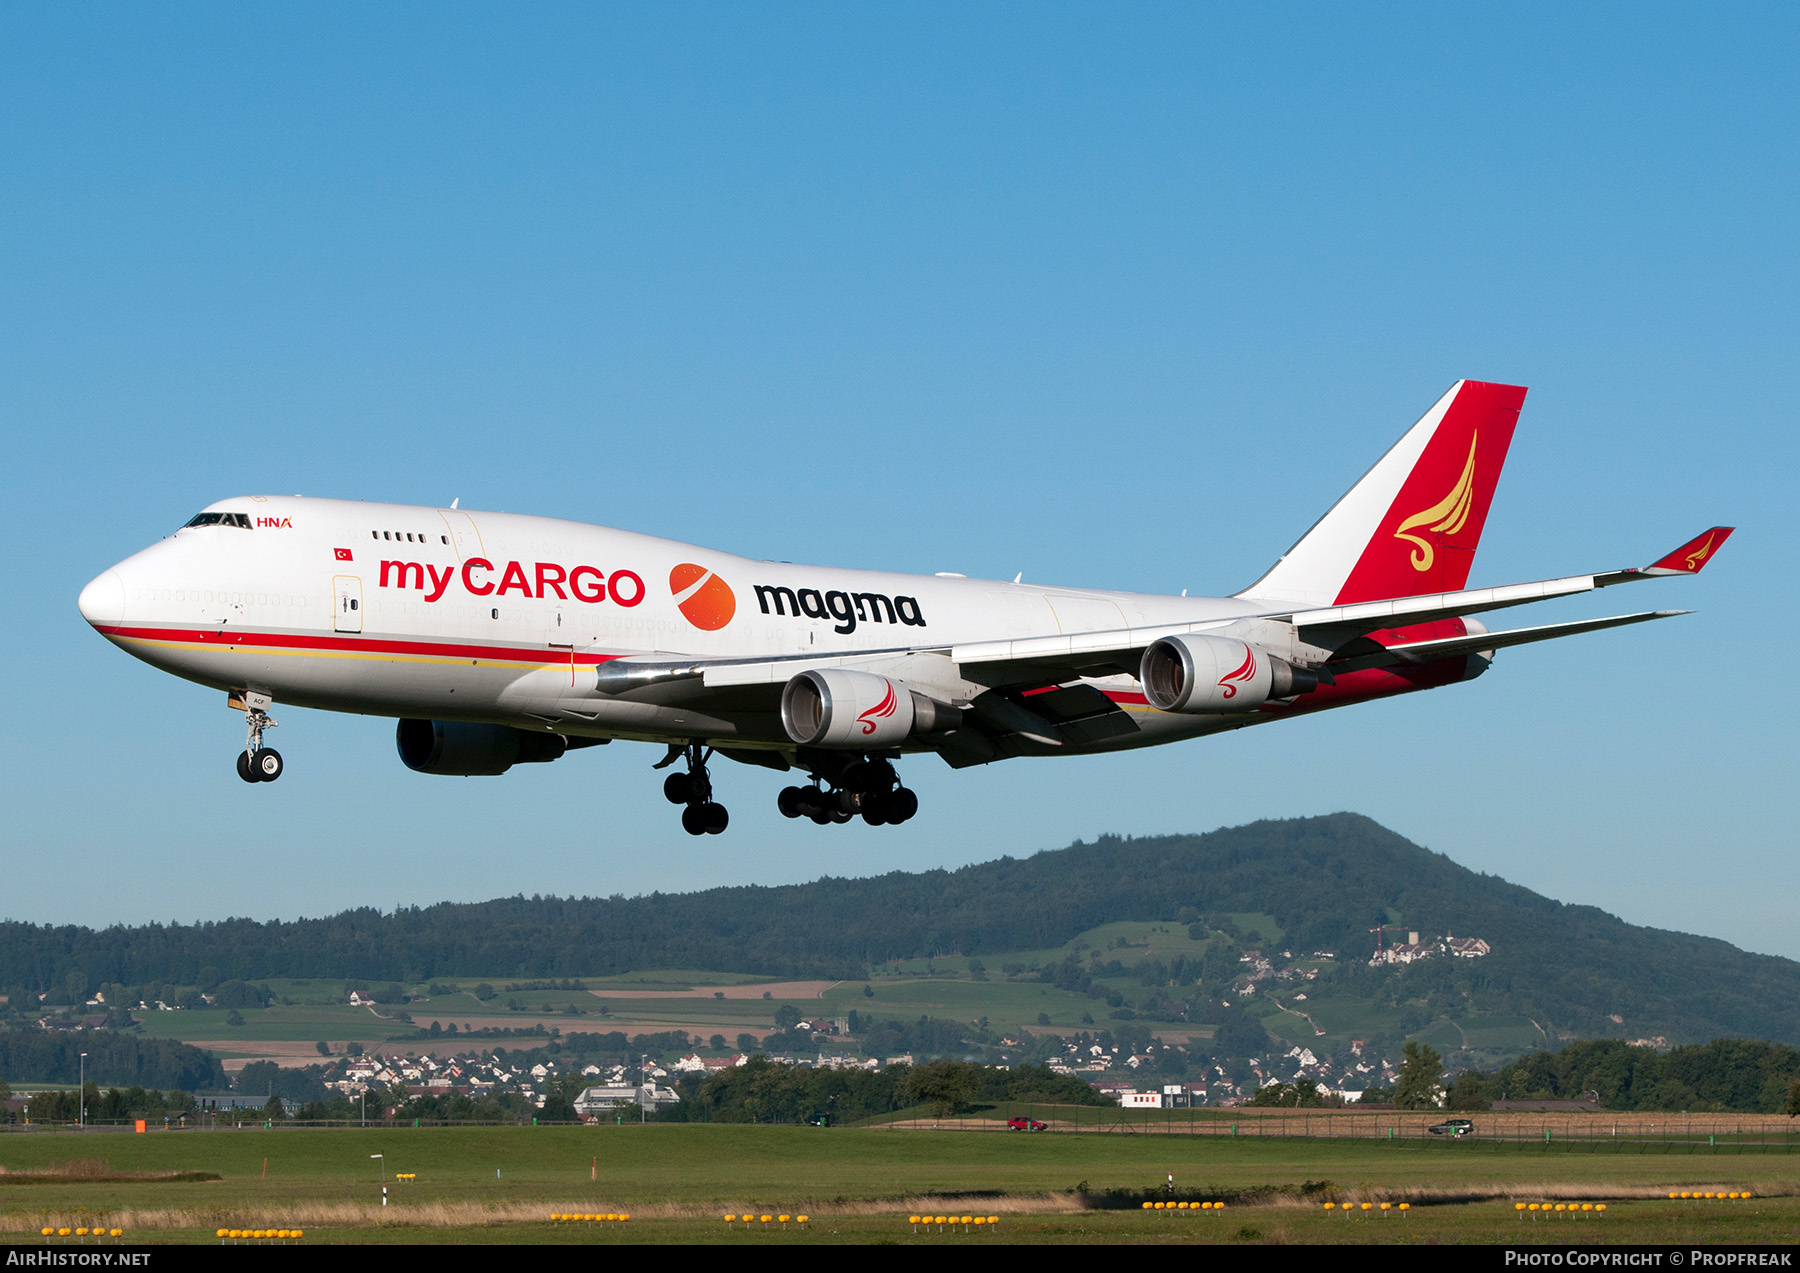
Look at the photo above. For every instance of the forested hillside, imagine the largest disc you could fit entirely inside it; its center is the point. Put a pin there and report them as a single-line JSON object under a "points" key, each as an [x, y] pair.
{"points": [[124, 1059], [1326, 881]]}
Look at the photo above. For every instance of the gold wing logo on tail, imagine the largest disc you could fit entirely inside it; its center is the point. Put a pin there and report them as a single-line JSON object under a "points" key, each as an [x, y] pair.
{"points": [[1701, 553], [1446, 517]]}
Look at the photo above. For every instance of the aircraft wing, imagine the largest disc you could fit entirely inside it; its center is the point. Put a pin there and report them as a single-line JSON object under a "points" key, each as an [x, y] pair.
{"points": [[1331, 628], [1020, 685], [1372, 616]]}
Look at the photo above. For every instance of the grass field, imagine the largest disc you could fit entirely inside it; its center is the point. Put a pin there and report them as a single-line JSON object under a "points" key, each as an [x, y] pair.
{"points": [[488, 1184]]}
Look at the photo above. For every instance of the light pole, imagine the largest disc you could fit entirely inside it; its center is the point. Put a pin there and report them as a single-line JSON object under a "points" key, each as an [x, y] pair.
{"points": [[81, 1094]]}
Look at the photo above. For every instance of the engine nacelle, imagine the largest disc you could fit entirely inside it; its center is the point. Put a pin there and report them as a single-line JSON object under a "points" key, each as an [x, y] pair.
{"points": [[1201, 673], [832, 707], [466, 750]]}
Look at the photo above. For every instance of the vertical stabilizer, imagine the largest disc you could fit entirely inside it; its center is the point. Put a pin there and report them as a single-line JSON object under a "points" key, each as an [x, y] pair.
{"points": [[1411, 525]]}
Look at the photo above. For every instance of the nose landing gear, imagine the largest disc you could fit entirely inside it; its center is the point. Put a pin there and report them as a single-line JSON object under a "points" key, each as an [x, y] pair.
{"points": [[257, 763], [703, 816]]}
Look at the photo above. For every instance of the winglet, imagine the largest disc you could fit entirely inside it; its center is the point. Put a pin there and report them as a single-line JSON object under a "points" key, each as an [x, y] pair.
{"points": [[1693, 555]]}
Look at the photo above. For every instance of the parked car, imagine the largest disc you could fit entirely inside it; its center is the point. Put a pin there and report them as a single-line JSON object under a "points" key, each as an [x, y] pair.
{"points": [[1452, 1127], [1026, 1125]]}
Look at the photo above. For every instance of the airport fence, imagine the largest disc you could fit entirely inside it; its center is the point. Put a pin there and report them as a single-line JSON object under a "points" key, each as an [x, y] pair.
{"points": [[1601, 1132]]}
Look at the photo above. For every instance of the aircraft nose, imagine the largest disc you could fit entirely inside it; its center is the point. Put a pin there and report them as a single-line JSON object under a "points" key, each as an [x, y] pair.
{"points": [[103, 600]]}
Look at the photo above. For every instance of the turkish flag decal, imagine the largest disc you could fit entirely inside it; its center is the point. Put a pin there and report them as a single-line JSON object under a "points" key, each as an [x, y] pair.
{"points": [[343, 554]]}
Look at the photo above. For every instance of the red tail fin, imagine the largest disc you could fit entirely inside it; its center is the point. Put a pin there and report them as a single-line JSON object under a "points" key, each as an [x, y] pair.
{"points": [[1426, 540], [1411, 525]]}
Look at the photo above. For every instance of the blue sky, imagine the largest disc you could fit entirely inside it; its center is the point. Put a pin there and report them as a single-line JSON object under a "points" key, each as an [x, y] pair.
{"points": [[1119, 299]]}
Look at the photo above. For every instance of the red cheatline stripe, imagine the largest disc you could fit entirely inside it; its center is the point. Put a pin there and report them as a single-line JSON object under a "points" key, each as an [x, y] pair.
{"points": [[353, 644]]}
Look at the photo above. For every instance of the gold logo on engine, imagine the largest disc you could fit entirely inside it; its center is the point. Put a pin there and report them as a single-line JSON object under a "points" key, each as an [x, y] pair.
{"points": [[1444, 518]]}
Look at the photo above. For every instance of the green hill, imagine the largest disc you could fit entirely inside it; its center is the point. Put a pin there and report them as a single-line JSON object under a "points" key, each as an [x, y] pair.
{"points": [[1153, 930]]}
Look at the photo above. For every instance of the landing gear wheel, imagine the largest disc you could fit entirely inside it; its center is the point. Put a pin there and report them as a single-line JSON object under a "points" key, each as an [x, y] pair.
{"points": [[791, 802], [703, 816], [875, 808], [902, 804], [256, 763]]}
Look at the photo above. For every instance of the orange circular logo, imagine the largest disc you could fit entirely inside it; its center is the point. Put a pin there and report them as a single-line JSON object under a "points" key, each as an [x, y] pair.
{"points": [[706, 600]]}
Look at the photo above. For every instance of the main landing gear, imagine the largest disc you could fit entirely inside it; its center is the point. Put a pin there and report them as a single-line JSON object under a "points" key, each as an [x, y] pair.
{"points": [[866, 786], [694, 789], [257, 763]]}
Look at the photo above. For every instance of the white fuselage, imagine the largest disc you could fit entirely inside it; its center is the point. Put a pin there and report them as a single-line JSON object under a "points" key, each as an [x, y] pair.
{"points": [[404, 611]]}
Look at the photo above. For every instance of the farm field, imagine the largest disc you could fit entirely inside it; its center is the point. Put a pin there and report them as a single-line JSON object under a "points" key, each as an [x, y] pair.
{"points": [[487, 1184], [706, 1003]]}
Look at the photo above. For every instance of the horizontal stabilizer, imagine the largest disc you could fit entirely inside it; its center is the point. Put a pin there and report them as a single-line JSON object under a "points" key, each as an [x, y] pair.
{"points": [[1449, 647]]}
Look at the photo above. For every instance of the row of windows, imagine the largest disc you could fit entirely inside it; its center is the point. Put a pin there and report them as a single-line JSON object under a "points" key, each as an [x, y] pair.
{"points": [[405, 535], [209, 596]]}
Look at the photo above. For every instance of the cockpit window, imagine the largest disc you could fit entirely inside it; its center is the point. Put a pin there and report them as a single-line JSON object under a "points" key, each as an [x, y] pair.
{"points": [[239, 520]]}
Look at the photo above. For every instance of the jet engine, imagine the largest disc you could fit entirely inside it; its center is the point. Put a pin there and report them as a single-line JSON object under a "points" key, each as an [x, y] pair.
{"points": [[831, 707], [466, 750], [1200, 673]]}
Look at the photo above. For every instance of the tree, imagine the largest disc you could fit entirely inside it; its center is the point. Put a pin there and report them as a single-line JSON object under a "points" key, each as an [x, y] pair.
{"points": [[1793, 1104], [787, 1016], [323, 1047], [1301, 1094], [944, 1085], [1421, 1077], [559, 1099], [258, 1076], [1470, 1092]]}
